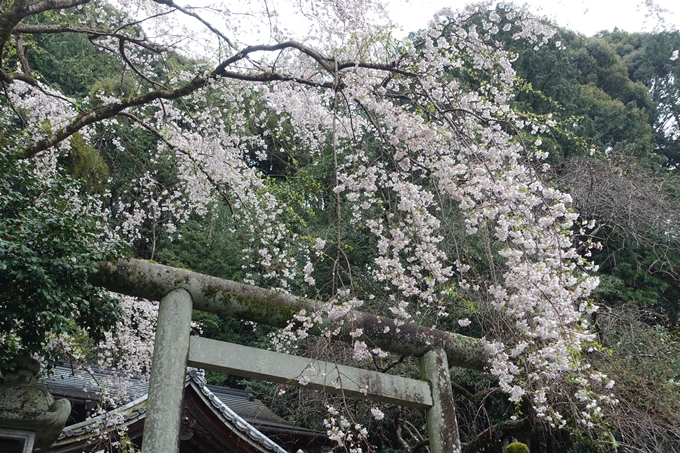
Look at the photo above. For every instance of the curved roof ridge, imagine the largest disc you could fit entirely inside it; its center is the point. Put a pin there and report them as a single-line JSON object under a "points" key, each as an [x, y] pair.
{"points": [[196, 377], [126, 414], [136, 410]]}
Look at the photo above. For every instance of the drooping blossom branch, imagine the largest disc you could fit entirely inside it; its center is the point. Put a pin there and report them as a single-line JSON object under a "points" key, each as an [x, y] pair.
{"points": [[416, 126]]}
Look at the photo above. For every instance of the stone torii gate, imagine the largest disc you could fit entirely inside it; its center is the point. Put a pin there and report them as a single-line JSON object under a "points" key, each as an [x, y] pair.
{"points": [[179, 291]]}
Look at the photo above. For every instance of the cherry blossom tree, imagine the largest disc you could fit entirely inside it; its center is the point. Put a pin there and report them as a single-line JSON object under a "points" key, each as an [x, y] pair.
{"points": [[414, 128]]}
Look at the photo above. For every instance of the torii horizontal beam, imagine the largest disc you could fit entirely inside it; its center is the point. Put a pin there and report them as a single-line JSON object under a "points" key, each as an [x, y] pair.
{"points": [[253, 363], [251, 303]]}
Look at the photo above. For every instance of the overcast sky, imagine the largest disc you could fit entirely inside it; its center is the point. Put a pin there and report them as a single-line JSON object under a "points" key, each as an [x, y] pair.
{"points": [[585, 16]]}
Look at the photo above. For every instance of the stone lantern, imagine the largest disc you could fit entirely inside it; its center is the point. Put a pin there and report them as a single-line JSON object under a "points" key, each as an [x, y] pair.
{"points": [[29, 416]]}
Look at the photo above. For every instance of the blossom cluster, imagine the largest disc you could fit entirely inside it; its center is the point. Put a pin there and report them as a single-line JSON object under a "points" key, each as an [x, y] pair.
{"points": [[344, 432]]}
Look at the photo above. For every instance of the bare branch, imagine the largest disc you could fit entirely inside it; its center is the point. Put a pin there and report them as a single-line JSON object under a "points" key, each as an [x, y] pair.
{"points": [[22, 56], [475, 398], [489, 435], [400, 423], [327, 63], [643, 363], [93, 32], [197, 17], [391, 365], [121, 49], [630, 204]]}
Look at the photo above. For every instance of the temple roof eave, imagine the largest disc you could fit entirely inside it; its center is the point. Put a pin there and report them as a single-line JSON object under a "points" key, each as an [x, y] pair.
{"points": [[122, 418]]}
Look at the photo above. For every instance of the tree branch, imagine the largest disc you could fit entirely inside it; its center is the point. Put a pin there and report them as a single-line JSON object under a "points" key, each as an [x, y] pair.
{"points": [[22, 56], [111, 110], [21, 9], [12, 76], [323, 61], [489, 435], [391, 365], [92, 31], [475, 398], [197, 17], [400, 422], [18, 11], [121, 49]]}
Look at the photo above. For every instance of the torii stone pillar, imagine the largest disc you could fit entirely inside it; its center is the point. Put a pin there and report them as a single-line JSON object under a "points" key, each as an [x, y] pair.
{"points": [[442, 426], [168, 371]]}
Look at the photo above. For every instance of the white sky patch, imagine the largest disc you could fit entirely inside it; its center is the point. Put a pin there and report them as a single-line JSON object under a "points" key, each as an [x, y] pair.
{"points": [[585, 16]]}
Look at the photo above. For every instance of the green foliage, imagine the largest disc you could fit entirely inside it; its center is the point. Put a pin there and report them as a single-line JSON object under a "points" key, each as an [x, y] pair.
{"points": [[209, 246], [517, 447], [70, 62], [87, 165], [50, 242], [584, 84], [648, 59]]}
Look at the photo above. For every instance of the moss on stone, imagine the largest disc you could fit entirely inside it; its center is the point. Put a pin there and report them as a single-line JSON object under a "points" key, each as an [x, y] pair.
{"points": [[517, 447]]}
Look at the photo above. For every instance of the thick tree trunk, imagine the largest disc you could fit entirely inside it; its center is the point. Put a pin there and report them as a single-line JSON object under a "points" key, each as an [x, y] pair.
{"points": [[224, 297]]}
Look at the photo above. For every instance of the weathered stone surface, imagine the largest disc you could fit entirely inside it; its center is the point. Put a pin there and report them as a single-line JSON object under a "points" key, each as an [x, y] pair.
{"points": [[17, 440], [153, 281], [442, 426], [272, 366], [26, 407], [166, 384]]}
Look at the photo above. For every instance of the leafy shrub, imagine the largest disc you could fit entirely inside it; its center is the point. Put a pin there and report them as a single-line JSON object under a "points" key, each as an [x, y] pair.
{"points": [[51, 239]]}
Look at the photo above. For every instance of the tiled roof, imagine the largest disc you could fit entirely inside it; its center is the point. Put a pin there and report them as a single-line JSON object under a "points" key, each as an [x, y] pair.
{"points": [[86, 386], [195, 377], [237, 409]]}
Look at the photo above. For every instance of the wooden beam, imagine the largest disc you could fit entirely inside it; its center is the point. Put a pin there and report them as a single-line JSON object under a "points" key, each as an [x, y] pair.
{"points": [[289, 369]]}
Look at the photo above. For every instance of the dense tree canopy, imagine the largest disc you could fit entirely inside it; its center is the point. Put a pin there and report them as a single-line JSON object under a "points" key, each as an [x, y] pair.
{"points": [[433, 179]]}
